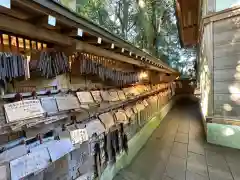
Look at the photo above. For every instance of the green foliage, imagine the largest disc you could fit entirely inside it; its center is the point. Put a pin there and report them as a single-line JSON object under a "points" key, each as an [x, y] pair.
{"points": [[147, 24]]}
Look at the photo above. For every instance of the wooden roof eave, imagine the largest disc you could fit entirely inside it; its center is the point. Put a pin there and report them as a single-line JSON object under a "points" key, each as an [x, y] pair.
{"points": [[9, 24], [178, 17], [187, 21], [73, 19]]}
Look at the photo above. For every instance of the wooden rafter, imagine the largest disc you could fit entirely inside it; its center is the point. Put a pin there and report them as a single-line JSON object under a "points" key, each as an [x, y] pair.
{"points": [[187, 13]]}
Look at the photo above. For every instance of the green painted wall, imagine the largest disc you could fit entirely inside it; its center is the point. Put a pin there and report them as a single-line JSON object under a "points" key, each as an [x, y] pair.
{"points": [[224, 135], [136, 143]]}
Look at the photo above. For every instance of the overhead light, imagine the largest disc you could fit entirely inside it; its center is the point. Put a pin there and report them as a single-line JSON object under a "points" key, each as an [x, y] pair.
{"points": [[80, 32], [143, 75], [130, 53], [99, 41], [122, 50], [112, 46], [51, 20]]}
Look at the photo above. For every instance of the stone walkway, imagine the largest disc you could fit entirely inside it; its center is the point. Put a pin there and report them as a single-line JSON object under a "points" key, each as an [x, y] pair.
{"points": [[177, 150]]}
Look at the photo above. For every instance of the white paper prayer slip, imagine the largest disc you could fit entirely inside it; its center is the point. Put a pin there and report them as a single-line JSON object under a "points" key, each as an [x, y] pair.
{"points": [[49, 105], [22, 110], [67, 102], [33, 145], [121, 95], [3, 173], [55, 118], [94, 126], [80, 156], [135, 109], [140, 107], [85, 97], [121, 116], [129, 112], [29, 164], [105, 95], [107, 120], [127, 91], [113, 96], [60, 148], [79, 136], [97, 96], [13, 153]]}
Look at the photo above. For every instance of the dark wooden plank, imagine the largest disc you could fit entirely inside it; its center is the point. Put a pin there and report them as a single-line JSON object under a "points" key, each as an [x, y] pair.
{"points": [[9, 24]]}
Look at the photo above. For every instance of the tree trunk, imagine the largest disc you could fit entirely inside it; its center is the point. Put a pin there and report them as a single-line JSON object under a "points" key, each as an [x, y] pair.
{"points": [[125, 18], [154, 25]]}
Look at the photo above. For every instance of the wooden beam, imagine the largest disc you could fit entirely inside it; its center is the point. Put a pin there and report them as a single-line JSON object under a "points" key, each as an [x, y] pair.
{"points": [[107, 46], [69, 31], [20, 27], [38, 20], [91, 40], [15, 12], [184, 9]]}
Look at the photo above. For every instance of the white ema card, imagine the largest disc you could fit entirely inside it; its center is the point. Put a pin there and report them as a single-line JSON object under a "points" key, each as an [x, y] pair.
{"points": [[134, 91], [121, 116], [60, 148], [126, 91], [140, 107], [85, 97], [107, 120], [3, 173], [29, 164], [96, 96], [23, 110], [105, 95], [113, 96], [67, 102], [79, 136], [129, 112], [121, 95], [13, 153], [94, 126], [49, 105]]}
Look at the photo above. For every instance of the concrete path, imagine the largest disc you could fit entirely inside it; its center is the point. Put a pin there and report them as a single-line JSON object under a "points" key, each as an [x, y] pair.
{"points": [[177, 150]]}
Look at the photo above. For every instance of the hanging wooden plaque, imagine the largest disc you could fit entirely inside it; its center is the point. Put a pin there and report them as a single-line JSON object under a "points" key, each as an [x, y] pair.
{"points": [[94, 126], [85, 97], [23, 110], [107, 120], [67, 102]]}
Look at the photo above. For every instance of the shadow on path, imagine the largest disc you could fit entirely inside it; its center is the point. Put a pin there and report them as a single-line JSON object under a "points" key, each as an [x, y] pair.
{"points": [[177, 150]]}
